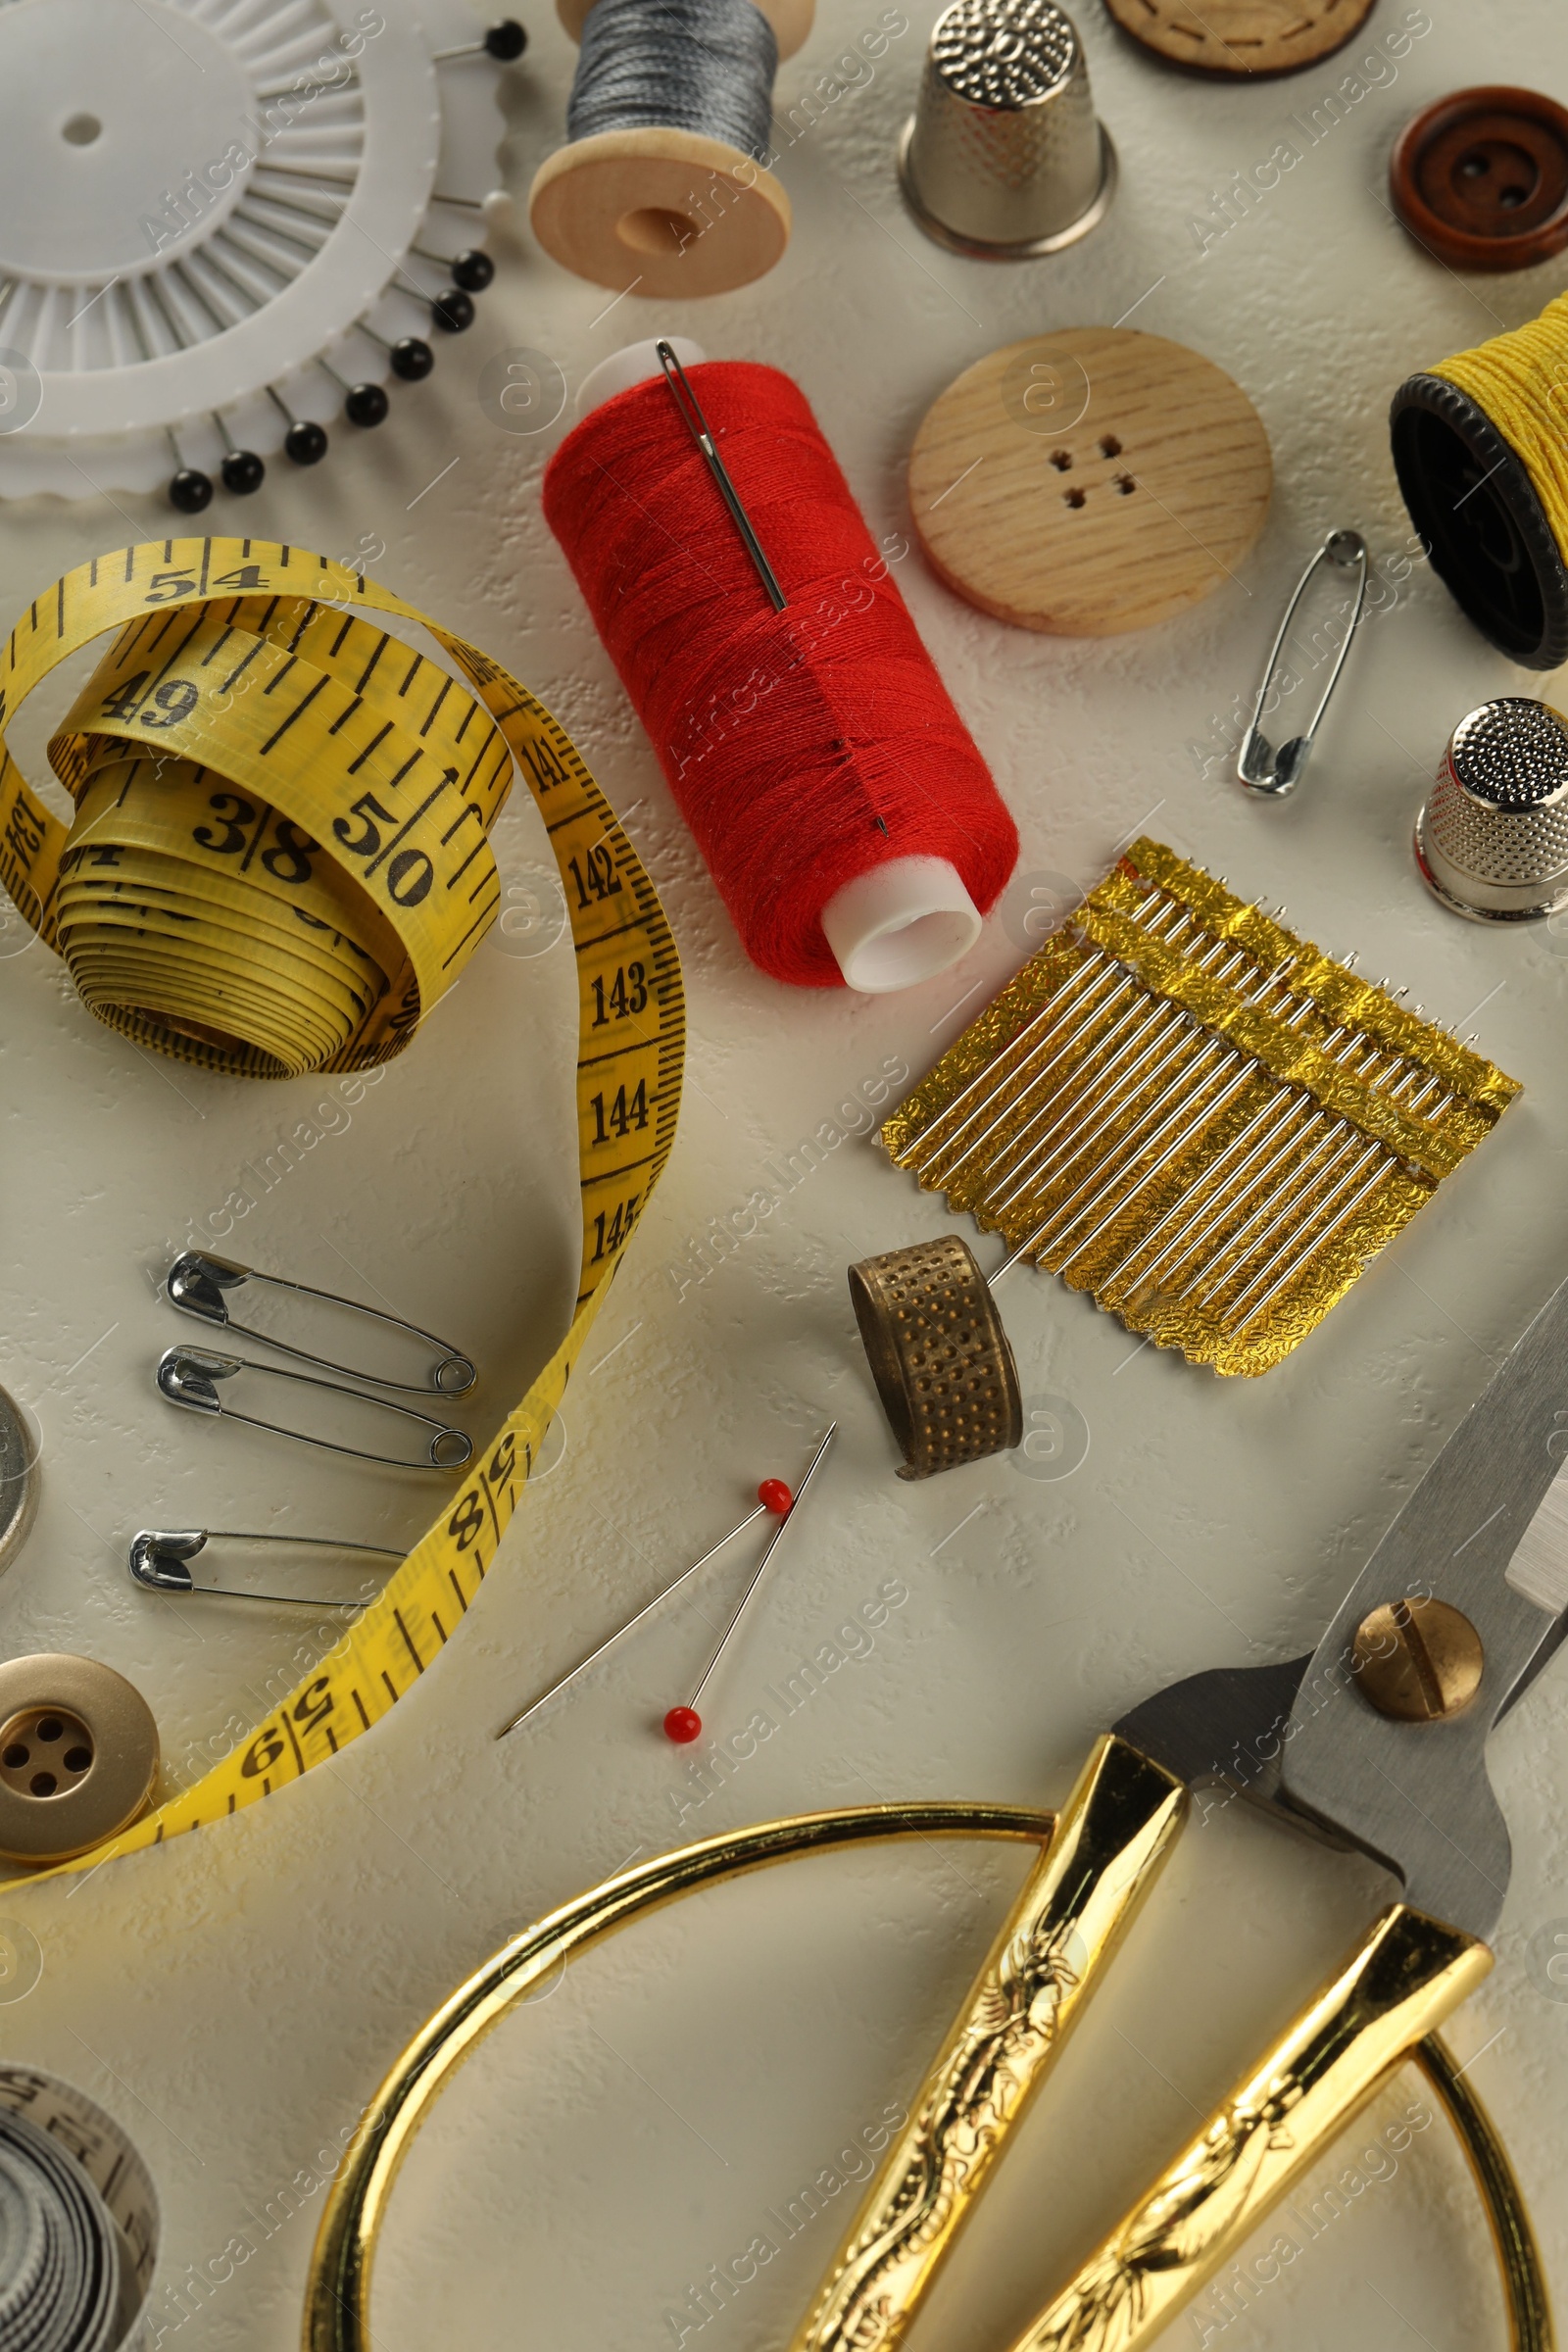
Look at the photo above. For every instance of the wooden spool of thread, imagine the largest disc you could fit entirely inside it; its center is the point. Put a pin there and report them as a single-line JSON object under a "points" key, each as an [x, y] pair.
{"points": [[1480, 450], [841, 806], [663, 179]]}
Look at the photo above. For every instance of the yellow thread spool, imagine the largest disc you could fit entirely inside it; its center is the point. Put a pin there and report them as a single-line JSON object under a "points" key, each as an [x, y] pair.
{"points": [[1480, 450]]}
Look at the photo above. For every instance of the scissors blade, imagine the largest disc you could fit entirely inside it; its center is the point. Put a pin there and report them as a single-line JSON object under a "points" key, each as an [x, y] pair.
{"points": [[1225, 1724], [1416, 1795]]}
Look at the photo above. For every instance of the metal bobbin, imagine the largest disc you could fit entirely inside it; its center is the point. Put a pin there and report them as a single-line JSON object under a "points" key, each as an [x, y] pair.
{"points": [[942, 1361], [19, 1480]]}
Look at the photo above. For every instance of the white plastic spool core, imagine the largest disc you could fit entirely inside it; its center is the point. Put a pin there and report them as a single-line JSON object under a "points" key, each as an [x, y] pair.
{"points": [[633, 366], [901, 923]]}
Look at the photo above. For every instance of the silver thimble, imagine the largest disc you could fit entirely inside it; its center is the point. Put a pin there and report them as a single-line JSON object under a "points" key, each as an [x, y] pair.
{"points": [[1492, 841], [1004, 156]]}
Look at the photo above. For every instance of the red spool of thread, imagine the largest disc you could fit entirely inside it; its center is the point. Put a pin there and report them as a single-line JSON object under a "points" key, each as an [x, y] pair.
{"points": [[806, 747]]}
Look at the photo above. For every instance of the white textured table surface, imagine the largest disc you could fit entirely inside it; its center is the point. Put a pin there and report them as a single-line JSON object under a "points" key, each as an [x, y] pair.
{"points": [[233, 1999]]}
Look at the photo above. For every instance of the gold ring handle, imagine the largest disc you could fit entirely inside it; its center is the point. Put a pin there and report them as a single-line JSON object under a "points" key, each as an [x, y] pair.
{"points": [[1112, 1834], [1524, 2279], [337, 2296]]}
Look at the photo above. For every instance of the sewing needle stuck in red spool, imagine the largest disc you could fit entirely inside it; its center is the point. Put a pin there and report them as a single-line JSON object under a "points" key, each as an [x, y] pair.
{"points": [[684, 1723], [771, 1496], [696, 423]]}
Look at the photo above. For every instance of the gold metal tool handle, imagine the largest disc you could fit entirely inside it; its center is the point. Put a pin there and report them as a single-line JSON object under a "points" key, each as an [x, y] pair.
{"points": [[1112, 1834], [1402, 1980]]}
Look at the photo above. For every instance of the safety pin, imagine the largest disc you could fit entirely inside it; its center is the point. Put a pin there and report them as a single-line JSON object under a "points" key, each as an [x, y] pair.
{"points": [[189, 1377], [196, 1284], [158, 1559], [1261, 768], [690, 409]]}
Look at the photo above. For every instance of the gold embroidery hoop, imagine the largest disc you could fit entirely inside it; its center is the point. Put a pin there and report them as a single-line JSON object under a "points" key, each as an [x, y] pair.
{"points": [[337, 2295]]}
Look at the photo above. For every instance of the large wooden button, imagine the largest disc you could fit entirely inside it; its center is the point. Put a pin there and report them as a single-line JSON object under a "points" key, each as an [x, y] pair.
{"points": [[1090, 481], [1242, 36], [1481, 178], [78, 1756]]}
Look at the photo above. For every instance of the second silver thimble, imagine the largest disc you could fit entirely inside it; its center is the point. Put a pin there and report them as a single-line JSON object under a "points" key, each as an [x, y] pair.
{"points": [[1004, 156], [1492, 841]]}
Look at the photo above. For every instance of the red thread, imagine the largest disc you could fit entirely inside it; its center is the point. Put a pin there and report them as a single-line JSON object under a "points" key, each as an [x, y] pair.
{"points": [[785, 736]]}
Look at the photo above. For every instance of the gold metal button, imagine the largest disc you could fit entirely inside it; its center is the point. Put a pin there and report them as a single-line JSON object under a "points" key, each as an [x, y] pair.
{"points": [[78, 1756]]}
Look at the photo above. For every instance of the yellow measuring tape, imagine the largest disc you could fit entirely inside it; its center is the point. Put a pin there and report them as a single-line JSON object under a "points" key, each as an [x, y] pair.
{"points": [[279, 861]]}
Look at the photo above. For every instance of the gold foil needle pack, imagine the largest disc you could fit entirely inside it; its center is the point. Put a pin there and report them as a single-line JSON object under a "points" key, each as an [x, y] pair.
{"points": [[1197, 1117]]}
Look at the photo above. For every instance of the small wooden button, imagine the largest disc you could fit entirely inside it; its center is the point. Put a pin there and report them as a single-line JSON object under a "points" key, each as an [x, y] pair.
{"points": [[940, 1357], [1242, 36], [1090, 481], [78, 1756], [1481, 178]]}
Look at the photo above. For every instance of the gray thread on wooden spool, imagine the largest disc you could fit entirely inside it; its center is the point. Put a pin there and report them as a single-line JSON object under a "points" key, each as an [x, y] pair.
{"points": [[702, 66]]}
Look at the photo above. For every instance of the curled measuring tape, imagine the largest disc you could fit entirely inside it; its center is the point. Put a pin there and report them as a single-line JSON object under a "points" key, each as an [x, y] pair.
{"points": [[79, 2214], [339, 759], [279, 859]]}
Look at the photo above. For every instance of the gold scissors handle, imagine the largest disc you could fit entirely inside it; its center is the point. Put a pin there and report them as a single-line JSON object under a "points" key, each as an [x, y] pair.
{"points": [[338, 2291], [1397, 1987], [1112, 1834]]}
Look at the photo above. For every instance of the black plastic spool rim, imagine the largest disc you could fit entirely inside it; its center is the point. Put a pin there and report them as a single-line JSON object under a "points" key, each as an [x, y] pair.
{"points": [[1482, 523]]}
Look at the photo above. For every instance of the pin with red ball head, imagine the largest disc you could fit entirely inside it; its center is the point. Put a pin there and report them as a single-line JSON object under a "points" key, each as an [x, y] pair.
{"points": [[771, 1496], [684, 1723], [304, 441], [410, 359], [690, 410], [505, 42]]}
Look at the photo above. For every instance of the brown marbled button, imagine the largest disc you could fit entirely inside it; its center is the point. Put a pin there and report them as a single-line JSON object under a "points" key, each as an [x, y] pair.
{"points": [[1481, 178]]}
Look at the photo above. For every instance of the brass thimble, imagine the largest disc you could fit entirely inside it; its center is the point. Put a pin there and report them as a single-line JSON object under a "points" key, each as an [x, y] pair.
{"points": [[1004, 156], [941, 1361]]}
